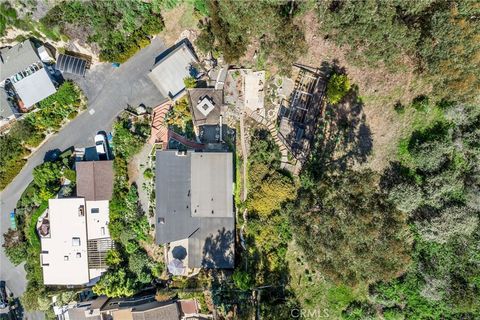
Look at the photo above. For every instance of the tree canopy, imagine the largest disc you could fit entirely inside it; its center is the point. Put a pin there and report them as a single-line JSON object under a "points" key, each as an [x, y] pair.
{"points": [[346, 226]]}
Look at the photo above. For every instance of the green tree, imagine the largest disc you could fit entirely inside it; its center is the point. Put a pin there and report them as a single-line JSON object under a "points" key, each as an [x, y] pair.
{"points": [[338, 86], [140, 265], [15, 246], [179, 115], [242, 279], [115, 283], [348, 228], [190, 82]]}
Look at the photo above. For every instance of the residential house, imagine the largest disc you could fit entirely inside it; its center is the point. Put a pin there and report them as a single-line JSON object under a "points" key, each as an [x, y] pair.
{"points": [[172, 67], [24, 78], [74, 232], [207, 109], [135, 308], [195, 210]]}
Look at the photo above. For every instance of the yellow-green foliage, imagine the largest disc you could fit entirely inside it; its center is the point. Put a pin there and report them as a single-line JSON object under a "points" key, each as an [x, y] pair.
{"points": [[190, 82], [269, 187], [180, 114], [272, 192], [337, 87]]}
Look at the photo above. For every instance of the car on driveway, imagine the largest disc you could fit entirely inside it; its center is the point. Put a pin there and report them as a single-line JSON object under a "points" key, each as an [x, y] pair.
{"points": [[13, 222], [3, 296], [101, 144]]}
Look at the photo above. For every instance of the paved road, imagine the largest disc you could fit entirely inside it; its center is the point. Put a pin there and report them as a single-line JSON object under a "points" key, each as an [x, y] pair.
{"points": [[109, 90]]}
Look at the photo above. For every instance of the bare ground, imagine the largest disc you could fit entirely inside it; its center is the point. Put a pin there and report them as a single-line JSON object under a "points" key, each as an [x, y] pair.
{"points": [[180, 22], [379, 89]]}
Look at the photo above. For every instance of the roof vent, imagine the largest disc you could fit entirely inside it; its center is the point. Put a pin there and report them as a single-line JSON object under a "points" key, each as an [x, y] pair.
{"points": [[181, 153], [76, 242], [161, 220]]}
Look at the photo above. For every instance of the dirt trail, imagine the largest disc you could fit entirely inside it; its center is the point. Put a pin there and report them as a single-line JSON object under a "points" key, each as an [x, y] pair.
{"points": [[244, 178]]}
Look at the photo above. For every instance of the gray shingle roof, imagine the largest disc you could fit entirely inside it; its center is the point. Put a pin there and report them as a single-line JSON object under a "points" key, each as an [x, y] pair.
{"points": [[201, 182], [17, 58], [5, 110], [156, 310]]}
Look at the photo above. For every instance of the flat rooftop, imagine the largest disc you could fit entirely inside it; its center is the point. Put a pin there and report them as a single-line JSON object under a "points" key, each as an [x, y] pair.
{"points": [[35, 87], [64, 252], [174, 65], [77, 240]]}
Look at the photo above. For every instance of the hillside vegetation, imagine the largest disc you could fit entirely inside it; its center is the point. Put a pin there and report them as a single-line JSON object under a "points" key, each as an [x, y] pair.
{"points": [[27, 134], [118, 29]]}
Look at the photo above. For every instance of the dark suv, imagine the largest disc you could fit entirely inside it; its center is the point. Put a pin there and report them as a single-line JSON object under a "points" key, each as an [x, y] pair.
{"points": [[3, 296]]}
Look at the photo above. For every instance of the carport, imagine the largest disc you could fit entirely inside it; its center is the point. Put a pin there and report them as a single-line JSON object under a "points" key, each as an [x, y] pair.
{"points": [[71, 64]]}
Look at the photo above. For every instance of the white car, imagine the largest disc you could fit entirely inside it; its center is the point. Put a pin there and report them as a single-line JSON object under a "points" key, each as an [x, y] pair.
{"points": [[100, 144]]}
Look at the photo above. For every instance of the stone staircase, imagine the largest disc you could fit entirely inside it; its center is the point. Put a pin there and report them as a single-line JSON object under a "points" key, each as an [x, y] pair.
{"points": [[159, 130]]}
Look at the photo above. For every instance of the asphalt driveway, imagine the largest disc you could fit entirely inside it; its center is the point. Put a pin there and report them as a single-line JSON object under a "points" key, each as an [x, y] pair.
{"points": [[109, 90]]}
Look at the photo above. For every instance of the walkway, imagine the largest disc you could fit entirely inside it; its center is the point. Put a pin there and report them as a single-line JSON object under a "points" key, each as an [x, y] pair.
{"points": [[244, 179]]}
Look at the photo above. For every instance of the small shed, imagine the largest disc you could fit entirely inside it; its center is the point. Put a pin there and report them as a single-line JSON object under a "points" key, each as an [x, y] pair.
{"points": [[71, 64]]}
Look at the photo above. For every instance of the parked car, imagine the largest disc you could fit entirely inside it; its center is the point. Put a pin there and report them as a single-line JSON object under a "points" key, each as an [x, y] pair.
{"points": [[101, 143], [3, 296], [13, 223]]}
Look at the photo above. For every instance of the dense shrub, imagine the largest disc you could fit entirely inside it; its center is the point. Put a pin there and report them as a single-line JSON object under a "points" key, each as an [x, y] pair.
{"points": [[119, 28], [443, 202], [15, 246], [8, 16], [337, 87], [346, 226], [190, 82], [236, 24]]}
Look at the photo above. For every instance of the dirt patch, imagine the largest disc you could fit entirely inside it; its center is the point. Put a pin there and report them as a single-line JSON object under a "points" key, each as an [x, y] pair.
{"points": [[132, 171], [180, 22], [379, 90], [153, 251]]}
